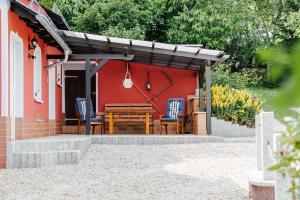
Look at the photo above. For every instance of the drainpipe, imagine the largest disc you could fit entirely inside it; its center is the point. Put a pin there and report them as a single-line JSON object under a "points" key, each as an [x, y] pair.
{"points": [[67, 51]]}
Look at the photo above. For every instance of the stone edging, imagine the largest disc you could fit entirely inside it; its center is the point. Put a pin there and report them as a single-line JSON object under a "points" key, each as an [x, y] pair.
{"points": [[224, 128]]}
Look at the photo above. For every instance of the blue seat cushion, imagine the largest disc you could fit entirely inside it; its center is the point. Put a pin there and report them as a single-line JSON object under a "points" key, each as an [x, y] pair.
{"points": [[171, 119], [92, 120]]}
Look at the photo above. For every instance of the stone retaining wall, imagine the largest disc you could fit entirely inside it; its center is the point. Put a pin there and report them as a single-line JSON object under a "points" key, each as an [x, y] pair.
{"points": [[227, 129]]}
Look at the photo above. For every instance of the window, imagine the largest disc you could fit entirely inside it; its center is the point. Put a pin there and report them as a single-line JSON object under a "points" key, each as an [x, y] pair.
{"points": [[37, 89]]}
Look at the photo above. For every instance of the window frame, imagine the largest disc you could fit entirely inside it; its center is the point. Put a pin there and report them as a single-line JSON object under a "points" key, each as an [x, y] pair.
{"points": [[36, 85]]}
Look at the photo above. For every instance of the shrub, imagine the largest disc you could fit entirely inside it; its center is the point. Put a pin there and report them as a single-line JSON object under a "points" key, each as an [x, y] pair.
{"points": [[233, 105], [222, 75]]}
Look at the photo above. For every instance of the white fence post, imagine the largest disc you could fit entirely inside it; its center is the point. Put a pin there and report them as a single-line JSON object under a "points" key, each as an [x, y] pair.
{"points": [[282, 182], [267, 145], [258, 132]]}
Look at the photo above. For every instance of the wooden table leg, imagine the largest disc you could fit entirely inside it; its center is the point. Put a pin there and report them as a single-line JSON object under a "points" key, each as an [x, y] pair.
{"points": [[147, 124], [111, 125]]}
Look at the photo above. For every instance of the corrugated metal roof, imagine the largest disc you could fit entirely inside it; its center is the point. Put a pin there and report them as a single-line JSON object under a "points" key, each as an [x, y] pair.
{"points": [[147, 52]]}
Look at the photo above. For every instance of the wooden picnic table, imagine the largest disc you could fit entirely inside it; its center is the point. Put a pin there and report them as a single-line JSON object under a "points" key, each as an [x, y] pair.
{"points": [[130, 113]]}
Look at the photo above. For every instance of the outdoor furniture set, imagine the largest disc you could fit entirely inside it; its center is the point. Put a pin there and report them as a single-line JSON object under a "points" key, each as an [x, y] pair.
{"points": [[132, 114]]}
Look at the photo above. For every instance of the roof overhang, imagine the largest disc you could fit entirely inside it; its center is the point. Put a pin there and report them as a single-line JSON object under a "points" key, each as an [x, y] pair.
{"points": [[57, 19], [28, 15], [155, 53]]}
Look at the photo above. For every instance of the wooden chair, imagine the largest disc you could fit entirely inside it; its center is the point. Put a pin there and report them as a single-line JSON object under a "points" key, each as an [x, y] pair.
{"points": [[96, 120], [174, 115]]}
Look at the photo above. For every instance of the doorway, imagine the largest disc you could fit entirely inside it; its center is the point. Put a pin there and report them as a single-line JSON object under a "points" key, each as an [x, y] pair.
{"points": [[16, 80], [74, 88]]}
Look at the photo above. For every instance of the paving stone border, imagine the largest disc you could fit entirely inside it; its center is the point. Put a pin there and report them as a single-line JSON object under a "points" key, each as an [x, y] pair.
{"points": [[63, 149]]}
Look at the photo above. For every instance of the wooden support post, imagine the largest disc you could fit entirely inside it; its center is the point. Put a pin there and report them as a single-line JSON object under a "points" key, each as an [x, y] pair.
{"points": [[208, 96], [111, 125], [88, 97], [147, 124], [200, 87]]}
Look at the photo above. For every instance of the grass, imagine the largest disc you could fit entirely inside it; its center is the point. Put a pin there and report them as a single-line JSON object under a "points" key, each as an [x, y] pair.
{"points": [[268, 98]]}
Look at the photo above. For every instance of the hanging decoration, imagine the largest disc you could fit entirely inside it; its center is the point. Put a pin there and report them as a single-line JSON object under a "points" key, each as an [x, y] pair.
{"points": [[127, 82], [148, 83]]}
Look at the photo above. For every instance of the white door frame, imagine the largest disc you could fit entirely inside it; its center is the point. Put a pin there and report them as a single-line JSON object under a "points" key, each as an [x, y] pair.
{"points": [[16, 80], [52, 92]]}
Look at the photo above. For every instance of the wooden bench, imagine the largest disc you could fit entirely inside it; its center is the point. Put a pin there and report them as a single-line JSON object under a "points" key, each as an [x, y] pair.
{"points": [[129, 113]]}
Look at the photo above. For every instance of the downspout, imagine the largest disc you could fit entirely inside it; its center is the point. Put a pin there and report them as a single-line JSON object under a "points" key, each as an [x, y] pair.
{"points": [[67, 51]]}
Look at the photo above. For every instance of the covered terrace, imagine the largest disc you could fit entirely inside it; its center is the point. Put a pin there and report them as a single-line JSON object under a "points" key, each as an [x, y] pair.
{"points": [[89, 47]]}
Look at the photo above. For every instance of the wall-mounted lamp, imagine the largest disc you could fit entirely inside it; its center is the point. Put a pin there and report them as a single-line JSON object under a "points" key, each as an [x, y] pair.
{"points": [[32, 45]]}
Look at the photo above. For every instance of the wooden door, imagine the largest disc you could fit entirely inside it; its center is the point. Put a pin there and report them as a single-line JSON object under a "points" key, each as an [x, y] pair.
{"points": [[74, 88]]}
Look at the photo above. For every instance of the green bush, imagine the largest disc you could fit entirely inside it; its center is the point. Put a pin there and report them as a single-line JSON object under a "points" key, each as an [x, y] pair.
{"points": [[222, 75], [233, 105]]}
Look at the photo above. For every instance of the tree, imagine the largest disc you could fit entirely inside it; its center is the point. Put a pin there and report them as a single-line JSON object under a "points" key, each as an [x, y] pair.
{"points": [[238, 27], [122, 18]]}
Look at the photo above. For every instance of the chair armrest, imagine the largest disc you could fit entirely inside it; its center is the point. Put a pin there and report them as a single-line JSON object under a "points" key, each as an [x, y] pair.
{"points": [[161, 116], [100, 113], [180, 116]]}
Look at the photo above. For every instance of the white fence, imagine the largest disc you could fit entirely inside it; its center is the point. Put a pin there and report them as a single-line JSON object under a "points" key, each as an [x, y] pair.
{"points": [[267, 144]]}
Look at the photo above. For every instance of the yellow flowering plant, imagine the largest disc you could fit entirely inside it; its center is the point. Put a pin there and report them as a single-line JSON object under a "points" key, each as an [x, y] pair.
{"points": [[234, 105]]}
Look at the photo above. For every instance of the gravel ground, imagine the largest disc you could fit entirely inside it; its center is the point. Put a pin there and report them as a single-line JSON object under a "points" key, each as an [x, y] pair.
{"points": [[153, 172]]}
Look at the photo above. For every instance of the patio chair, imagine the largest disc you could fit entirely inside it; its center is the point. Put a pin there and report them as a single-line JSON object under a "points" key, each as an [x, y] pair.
{"points": [[174, 115], [96, 120]]}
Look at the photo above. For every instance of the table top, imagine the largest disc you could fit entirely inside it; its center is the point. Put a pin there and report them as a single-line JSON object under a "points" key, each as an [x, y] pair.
{"points": [[129, 108]]}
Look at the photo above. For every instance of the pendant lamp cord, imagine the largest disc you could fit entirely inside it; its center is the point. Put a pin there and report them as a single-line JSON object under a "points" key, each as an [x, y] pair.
{"points": [[127, 75]]}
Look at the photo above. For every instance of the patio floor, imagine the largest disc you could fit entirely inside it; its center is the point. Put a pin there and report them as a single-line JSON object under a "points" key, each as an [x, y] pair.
{"points": [[114, 172]]}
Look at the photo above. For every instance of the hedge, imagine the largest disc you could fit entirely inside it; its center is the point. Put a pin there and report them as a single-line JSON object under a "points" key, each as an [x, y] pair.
{"points": [[233, 105]]}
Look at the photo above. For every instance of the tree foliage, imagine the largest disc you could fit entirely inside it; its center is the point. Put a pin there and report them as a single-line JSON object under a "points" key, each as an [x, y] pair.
{"points": [[238, 27]]}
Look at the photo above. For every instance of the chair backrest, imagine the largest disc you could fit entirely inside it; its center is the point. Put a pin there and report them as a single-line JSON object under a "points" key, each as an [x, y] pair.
{"points": [[81, 108], [175, 106]]}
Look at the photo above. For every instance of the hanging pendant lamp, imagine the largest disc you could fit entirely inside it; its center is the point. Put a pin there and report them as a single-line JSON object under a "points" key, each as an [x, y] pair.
{"points": [[127, 82]]}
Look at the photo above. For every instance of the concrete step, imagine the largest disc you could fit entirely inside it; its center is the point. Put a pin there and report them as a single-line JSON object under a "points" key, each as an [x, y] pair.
{"points": [[43, 152], [153, 139], [49, 158], [23, 146]]}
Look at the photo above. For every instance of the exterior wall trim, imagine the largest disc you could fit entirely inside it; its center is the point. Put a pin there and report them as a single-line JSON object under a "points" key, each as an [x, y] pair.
{"points": [[4, 6]]}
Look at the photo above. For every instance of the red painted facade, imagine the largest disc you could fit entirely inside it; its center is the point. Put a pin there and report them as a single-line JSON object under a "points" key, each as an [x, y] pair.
{"points": [[0, 58], [111, 90], [34, 109]]}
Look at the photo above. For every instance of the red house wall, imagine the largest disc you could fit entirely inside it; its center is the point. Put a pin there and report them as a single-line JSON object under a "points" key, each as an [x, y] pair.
{"points": [[111, 90], [34, 112], [0, 59]]}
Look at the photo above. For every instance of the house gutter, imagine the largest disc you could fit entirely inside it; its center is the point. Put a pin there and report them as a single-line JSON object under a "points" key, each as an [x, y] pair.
{"points": [[67, 51]]}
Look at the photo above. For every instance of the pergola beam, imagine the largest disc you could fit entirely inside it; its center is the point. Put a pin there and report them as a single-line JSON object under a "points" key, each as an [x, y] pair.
{"points": [[98, 67], [94, 57], [88, 96], [208, 96], [200, 55]]}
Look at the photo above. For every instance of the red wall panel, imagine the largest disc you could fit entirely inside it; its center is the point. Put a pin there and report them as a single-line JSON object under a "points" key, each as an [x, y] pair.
{"points": [[111, 90], [33, 109], [0, 61]]}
